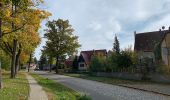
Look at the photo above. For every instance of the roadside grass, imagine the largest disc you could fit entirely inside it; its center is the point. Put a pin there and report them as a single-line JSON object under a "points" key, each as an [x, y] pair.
{"points": [[56, 91], [14, 89], [109, 80]]}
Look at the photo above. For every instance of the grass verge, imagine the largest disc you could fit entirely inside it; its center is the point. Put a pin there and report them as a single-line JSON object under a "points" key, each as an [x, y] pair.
{"points": [[14, 89], [109, 80], [57, 91]]}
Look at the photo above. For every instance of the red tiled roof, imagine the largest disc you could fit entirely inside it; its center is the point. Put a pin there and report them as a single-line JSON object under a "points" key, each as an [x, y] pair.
{"points": [[88, 54], [147, 41], [69, 63]]}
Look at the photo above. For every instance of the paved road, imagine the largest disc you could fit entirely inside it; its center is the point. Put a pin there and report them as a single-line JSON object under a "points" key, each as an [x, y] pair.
{"points": [[101, 91]]}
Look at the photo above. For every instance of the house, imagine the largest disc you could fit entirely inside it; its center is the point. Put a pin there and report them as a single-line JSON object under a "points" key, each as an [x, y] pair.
{"points": [[84, 59], [145, 44], [165, 45]]}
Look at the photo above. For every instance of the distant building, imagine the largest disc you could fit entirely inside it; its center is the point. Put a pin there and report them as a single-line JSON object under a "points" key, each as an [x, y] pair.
{"points": [[84, 59], [146, 42]]}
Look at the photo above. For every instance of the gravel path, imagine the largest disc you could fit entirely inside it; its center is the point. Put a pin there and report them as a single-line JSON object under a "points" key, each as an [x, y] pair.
{"points": [[36, 92], [102, 91]]}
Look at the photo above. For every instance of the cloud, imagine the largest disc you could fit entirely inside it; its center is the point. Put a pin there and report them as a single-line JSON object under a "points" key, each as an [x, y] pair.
{"points": [[95, 26], [97, 21]]}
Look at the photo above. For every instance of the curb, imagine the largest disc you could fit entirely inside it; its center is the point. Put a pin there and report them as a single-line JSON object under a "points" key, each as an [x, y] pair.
{"points": [[145, 90]]}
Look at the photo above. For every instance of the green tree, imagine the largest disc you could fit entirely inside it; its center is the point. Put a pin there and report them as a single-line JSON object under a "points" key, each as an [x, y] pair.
{"points": [[43, 61], [61, 40], [112, 62], [98, 63], [35, 60], [116, 47], [75, 63]]}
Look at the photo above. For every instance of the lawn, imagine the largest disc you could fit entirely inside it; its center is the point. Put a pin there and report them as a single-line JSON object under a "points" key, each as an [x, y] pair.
{"points": [[109, 80], [14, 89], [57, 91]]}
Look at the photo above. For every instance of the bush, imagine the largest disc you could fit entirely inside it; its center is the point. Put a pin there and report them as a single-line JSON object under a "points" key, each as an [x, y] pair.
{"points": [[115, 61], [84, 97], [163, 69], [5, 60], [97, 63], [111, 62], [124, 60]]}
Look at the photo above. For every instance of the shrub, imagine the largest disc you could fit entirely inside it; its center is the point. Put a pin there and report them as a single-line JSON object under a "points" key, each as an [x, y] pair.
{"points": [[97, 63], [124, 60], [5, 60], [84, 97]]}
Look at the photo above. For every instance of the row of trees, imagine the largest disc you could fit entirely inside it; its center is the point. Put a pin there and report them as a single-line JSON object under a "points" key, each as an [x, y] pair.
{"points": [[116, 59], [19, 24]]}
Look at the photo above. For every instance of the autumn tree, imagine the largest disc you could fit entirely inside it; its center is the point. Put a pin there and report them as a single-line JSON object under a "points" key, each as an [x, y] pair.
{"points": [[20, 28], [61, 40], [116, 46]]}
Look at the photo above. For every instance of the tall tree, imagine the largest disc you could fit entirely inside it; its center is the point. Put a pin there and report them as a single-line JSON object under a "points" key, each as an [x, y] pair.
{"points": [[116, 46], [22, 35], [61, 40], [43, 61]]}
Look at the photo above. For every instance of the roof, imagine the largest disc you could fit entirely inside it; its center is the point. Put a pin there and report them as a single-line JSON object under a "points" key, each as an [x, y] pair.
{"points": [[147, 41], [87, 55], [69, 63]]}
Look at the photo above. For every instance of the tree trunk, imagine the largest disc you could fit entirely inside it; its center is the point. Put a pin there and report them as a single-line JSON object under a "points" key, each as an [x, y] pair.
{"points": [[51, 61], [0, 28], [29, 63], [17, 62], [0, 59], [13, 58], [50, 66], [57, 59], [0, 76]]}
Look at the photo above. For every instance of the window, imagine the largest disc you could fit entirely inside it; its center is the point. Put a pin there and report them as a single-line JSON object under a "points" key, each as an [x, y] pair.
{"points": [[81, 65], [165, 51]]}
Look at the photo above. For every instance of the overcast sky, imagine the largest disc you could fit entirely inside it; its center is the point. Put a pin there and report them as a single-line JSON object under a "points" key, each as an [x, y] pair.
{"points": [[97, 21]]}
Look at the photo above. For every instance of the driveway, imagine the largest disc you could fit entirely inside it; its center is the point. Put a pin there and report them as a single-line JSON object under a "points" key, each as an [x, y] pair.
{"points": [[102, 91]]}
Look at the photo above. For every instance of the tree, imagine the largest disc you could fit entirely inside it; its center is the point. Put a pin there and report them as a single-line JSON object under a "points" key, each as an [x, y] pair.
{"points": [[97, 63], [22, 35], [49, 56], [116, 46], [4, 58], [35, 60], [75, 63], [43, 61], [61, 40]]}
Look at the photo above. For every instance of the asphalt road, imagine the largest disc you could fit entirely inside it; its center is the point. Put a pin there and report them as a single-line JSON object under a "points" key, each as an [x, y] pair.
{"points": [[102, 91]]}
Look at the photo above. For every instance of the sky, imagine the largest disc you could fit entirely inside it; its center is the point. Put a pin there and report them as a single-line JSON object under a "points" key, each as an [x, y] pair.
{"points": [[97, 21]]}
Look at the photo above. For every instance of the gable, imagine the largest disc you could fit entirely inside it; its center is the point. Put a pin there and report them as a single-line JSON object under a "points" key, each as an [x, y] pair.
{"points": [[85, 56], [147, 41]]}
